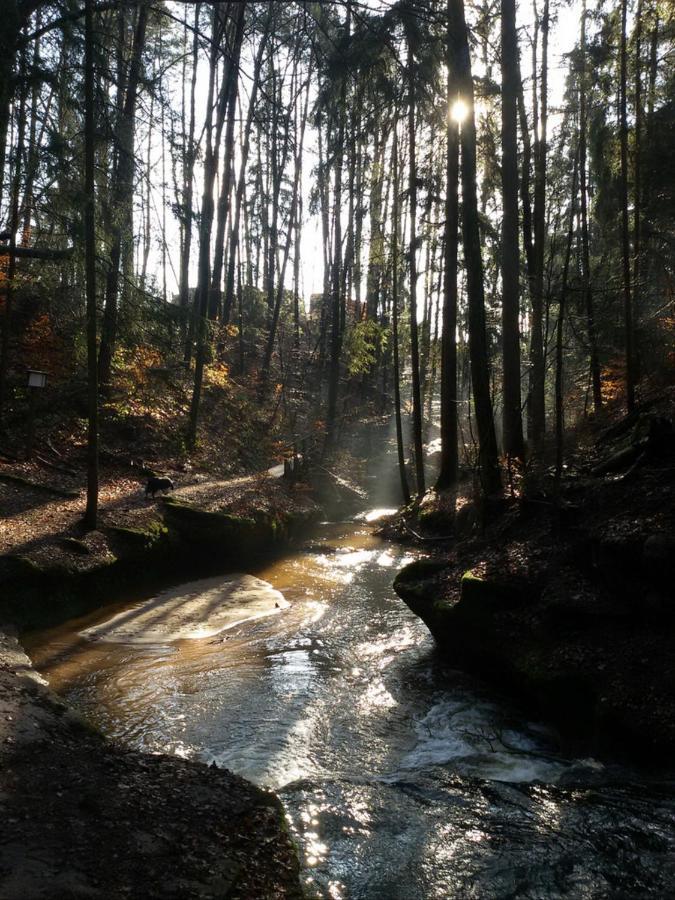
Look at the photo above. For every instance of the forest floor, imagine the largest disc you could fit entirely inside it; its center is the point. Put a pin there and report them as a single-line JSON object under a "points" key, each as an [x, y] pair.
{"points": [[567, 592], [42, 508]]}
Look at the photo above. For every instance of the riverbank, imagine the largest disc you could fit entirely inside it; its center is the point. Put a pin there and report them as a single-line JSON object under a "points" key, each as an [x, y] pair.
{"points": [[84, 816], [53, 569], [566, 595]]}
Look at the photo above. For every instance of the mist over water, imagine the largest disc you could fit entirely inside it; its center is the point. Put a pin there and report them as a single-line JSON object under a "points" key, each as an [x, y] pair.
{"points": [[401, 777]]}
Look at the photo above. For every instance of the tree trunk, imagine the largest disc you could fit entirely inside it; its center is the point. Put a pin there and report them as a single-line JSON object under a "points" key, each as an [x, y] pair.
{"points": [[122, 195], [559, 373], [10, 27], [32, 157], [376, 241], [336, 300], [625, 229], [269, 350], [188, 191], [525, 181], [412, 250], [512, 420], [215, 295], [13, 229], [585, 250], [323, 190], [146, 194], [537, 404], [449, 471], [207, 206], [478, 352], [405, 490], [637, 176], [241, 182], [91, 513]]}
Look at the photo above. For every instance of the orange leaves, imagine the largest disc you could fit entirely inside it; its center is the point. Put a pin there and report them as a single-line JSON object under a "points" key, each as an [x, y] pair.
{"points": [[613, 380], [42, 348], [217, 374], [137, 362]]}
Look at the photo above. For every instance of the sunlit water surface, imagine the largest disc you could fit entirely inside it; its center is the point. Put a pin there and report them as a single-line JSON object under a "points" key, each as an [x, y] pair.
{"points": [[401, 778]]}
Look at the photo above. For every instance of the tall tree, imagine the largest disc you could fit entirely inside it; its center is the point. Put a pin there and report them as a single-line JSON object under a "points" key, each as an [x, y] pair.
{"points": [[412, 264], [585, 244], [478, 352], [241, 180], [215, 294], [512, 420], [405, 490], [91, 513], [336, 280], [449, 468], [536, 399], [559, 355], [625, 223], [187, 212], [14, 219], [292, 224], [121, 232], [637, 155], [212, 136]]}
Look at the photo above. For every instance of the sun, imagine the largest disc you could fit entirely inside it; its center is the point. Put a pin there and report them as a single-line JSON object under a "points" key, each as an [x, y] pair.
{"points": [[459, 111]]}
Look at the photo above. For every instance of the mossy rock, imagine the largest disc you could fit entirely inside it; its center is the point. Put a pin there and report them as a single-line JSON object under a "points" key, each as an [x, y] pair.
{"points": [[437, 519], [488, 594], [418, 581], [138, 541], [420, 570], [418, 586], [73, 545], [224, 533]]}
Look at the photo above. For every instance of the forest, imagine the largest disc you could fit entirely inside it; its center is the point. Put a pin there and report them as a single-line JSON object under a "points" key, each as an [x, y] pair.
{"points": [[490, 219], [396, 275]]}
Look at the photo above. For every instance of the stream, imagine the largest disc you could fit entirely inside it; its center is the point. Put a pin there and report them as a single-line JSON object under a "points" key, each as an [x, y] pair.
{"points": [[401, 778]]}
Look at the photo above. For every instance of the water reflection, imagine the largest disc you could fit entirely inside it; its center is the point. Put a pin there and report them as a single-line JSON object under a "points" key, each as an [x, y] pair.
{"points": [[401, 778]]}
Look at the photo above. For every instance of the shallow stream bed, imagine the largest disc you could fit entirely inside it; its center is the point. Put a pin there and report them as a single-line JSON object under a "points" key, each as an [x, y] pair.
{"points": [[402, 778]]}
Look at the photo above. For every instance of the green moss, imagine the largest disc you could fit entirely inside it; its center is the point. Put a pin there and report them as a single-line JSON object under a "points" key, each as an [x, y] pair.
{"points": [[435, 518], [487, 593], [140, 539]]}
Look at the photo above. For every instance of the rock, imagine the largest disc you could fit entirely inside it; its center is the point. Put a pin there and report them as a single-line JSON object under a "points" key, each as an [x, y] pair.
{"points": [[88, 818], [199, 609], [487, 594]]}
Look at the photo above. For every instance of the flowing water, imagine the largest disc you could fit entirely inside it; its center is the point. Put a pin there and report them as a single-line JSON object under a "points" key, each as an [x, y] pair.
{"points": [[402, 779]]}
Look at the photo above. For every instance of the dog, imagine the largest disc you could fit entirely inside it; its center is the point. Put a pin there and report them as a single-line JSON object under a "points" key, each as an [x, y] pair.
{"points": [[158, 484]]}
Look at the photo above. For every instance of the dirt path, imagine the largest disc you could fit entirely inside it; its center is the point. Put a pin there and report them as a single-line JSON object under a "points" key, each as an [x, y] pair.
{"points": [[46, 527]]}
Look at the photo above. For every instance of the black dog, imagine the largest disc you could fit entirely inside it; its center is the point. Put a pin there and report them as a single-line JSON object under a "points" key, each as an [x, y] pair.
{"points": [[158, 484]]}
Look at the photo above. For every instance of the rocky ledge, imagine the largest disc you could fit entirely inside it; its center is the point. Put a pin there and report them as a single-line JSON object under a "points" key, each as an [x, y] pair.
{"points": [[204, 528], [568, 599]]}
